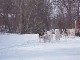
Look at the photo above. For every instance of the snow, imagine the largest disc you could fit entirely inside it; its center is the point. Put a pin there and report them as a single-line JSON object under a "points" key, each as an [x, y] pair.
{"points": [[27, 47]]}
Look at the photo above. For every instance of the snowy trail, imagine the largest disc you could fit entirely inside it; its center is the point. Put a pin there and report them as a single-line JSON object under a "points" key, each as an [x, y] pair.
{"points": [[27, 47]]}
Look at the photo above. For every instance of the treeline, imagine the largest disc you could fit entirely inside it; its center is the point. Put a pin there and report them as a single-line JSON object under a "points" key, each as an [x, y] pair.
{"points": [[31, 16]]}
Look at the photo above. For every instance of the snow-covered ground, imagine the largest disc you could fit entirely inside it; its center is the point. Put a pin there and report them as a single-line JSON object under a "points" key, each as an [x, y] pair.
{"points": [[27, 47]]}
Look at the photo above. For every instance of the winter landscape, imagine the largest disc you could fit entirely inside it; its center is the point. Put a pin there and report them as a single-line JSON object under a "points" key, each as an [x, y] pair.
{"points": [[39, 29], [28, 47]]}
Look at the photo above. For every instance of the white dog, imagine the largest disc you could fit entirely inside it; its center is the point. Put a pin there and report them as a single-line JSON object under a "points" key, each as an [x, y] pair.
{"points": [[57, 34]]}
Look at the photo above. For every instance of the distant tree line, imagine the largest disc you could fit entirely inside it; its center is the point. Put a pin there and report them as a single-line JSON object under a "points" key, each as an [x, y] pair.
{"points": [[31, 16]]}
